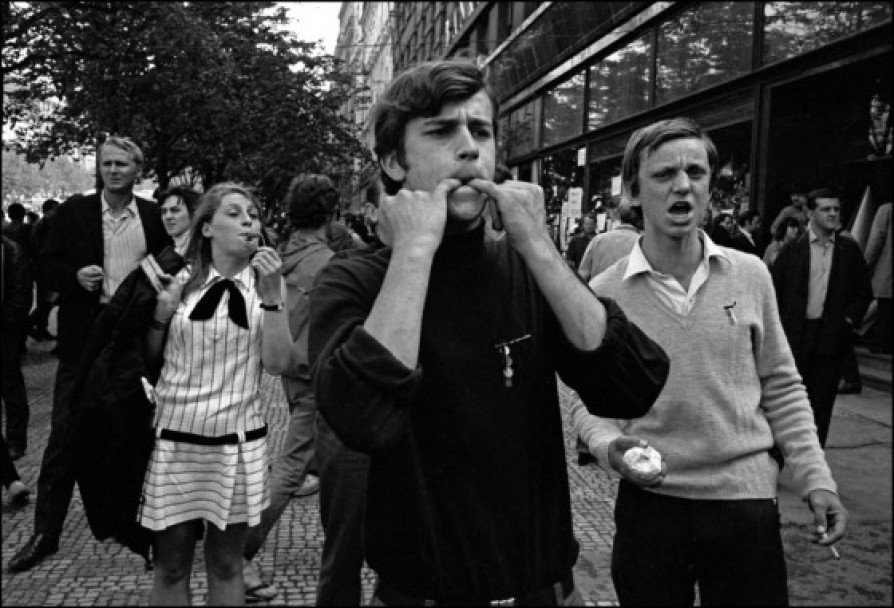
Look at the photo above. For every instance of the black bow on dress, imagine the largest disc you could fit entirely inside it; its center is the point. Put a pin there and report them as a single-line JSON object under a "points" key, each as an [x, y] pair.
{"points": [[208, 303]]}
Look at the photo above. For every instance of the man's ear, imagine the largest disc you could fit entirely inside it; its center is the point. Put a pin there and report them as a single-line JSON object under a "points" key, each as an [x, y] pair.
{"points": [[393, 168]]}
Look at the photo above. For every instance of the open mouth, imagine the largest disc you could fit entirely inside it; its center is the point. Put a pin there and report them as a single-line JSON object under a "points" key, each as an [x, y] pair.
{"points": [[680, 208]]}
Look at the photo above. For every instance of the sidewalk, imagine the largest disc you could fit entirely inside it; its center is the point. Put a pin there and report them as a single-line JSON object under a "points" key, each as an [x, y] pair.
{"points": [[87, 573]]}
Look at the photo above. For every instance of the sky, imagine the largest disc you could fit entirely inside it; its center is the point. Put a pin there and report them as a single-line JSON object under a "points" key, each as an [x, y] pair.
{"points": [[315, 21]]}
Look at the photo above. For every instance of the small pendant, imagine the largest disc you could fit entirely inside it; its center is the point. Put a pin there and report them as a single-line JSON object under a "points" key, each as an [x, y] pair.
{"points": [[504, 350], [507, 370]]}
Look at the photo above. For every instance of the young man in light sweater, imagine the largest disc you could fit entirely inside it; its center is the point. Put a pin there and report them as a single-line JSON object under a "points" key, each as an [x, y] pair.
{"points": [[709, 517]]}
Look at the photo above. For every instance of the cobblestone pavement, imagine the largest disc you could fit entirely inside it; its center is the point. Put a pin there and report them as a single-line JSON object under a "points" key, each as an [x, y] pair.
{"points": [[87, 573]]}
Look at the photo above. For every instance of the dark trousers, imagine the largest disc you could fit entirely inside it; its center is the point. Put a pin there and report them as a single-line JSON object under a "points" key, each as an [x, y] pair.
{"points": [[7, 467], [15, 397], [56, 481], [665, 546], [820, 373], [343, 474]]}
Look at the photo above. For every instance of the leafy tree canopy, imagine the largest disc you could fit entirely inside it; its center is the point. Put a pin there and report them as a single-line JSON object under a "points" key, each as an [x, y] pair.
{"points": [[210, 91]]}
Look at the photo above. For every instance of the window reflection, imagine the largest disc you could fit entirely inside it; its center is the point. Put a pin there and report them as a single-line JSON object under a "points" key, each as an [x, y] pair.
{"points": [[519, 133], [619, 84], [563, 111], [703, 46], [792, 28]]}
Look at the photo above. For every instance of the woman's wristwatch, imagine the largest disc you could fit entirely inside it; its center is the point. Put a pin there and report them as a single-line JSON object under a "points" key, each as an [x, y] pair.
{"points": [[273, 307]]}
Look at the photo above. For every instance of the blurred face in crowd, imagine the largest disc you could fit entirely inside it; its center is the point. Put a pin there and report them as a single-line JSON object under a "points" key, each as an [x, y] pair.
{"points": [[456, 143], [118, 170], [674, 187], [727, 222], [589, 226], [826, 216], [754, 225], [791, 233], [175, 215], [798, 199]]}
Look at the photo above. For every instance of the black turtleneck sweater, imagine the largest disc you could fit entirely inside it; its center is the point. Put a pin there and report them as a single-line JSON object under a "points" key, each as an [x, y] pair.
{"points": [[468, 492]]}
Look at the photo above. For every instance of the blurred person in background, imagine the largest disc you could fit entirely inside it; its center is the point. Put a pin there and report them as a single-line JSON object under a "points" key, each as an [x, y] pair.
{"points": [[16, 304], [609, 247], [47, 296], [178, 204], [823, 290], [786, 231], [746, 237]]}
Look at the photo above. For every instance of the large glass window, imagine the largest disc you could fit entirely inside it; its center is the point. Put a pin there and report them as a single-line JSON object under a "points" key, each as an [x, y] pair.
{"points": [[792, 28], [519, 133], [560, 30], [620, 83], [563, 111], [703, 46]]}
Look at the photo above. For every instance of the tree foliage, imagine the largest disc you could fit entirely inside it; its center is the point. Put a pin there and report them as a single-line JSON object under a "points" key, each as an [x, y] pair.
{"points": [[210, 91]]}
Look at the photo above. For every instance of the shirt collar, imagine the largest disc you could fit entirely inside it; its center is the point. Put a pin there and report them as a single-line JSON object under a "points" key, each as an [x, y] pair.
{"points": [[813, 236], [131, 206], [244, 279], [638, 264]]}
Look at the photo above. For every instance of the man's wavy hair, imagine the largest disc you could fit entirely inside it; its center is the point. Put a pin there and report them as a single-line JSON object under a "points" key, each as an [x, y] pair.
{"points": [[127, 145], [198, 254], [651, 137], [421, 91], [310, 201]]}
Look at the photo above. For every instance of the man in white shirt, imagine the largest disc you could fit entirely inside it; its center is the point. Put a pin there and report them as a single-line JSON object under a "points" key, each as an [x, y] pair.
{"points": [[95, 241]]}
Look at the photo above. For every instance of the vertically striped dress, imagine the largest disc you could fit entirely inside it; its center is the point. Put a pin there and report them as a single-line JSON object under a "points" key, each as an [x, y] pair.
{"points": [[209, 386]]}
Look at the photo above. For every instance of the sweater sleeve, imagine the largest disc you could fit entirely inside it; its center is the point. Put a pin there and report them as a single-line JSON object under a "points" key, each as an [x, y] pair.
{"points": [[621, 378], [362, 390], [784, 398]]}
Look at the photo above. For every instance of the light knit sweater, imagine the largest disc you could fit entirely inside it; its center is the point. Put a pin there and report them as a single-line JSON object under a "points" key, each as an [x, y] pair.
{"points": [[733, 388]]}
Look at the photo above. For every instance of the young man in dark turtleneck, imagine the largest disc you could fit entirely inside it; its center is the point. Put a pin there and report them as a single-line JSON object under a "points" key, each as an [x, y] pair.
{"points": [[437, 355]]}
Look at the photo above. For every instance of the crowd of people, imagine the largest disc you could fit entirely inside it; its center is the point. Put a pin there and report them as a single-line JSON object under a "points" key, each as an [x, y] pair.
{"points": [[419, 345]]}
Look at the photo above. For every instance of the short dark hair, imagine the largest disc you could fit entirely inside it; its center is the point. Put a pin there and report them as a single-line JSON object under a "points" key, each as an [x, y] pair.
{"points": [[783, 226], [16, 212], [827, 192], [310, 200], [186, 194], [746, 216], [422, 90], [650, 137], [49, 205]]}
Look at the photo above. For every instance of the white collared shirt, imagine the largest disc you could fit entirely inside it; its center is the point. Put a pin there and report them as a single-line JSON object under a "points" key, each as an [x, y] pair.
{"points": [[820, 267], [124, 245], [668, 290]]}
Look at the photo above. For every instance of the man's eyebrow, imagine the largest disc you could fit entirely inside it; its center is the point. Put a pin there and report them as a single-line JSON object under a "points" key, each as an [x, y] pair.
{"points": [[437, 121]]}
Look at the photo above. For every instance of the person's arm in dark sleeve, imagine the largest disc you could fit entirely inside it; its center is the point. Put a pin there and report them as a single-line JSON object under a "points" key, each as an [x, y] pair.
{"points": [[62, 273], [363, 391], [621, 378], [17, 300]]}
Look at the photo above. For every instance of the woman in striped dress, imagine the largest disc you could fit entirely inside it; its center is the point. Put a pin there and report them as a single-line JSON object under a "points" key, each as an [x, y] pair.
{"points": [[216, 324]]}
